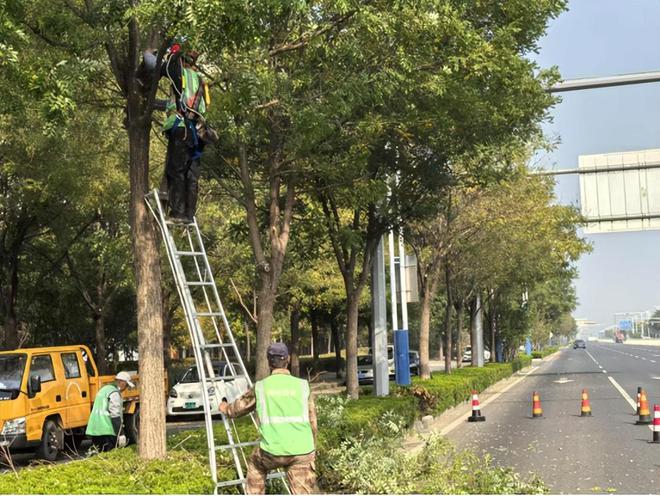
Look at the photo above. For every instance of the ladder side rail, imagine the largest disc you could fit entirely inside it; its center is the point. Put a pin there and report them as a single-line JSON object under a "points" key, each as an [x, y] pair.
{"points": [[206, 296], [224, 315], [203, 358], [175, 265]]}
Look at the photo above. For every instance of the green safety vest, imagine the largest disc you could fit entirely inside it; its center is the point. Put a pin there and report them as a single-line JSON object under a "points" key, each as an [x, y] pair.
{"points": [[283, 410], [193, 96], [100, 423]]}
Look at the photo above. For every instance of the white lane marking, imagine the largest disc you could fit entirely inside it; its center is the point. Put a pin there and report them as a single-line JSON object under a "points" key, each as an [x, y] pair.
{"points": [[461, 420], [636, 356], [623, 393], [600, 366], [563, 380], [652, 361], [592, 357], [604, 371], [656, 378]]}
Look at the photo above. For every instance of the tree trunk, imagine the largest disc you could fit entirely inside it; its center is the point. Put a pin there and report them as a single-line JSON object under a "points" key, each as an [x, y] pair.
{"points": [[441, 355], [101, 350], [448, 340], [459, 336], [424, 331], [493, 328], [352, 305], [264, 326], [295, 339], [334, 329], [167, 330], [314, 320], [151, 443], [11, 318]]}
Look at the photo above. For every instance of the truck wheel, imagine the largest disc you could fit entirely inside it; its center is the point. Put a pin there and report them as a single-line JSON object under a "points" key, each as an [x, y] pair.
{"points": [[52, 441], [132, 426]]}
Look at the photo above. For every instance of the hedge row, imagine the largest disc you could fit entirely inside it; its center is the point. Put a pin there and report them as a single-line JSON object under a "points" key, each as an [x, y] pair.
{"points": [[545, 352], [444, 391]]}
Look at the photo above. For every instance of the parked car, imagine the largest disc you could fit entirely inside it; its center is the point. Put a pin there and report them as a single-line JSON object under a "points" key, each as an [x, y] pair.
{"points": [[467, 354], [579, 343], [413, 357], [185, 397], [365, 369]]}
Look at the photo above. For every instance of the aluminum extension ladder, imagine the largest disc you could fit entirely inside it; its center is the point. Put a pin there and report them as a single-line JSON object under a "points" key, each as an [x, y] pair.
{"points": [[210, 334]]}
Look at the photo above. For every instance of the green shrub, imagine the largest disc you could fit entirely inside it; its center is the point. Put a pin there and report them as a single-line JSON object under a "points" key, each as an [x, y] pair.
{"points": [[377, 465], [118, 472]]}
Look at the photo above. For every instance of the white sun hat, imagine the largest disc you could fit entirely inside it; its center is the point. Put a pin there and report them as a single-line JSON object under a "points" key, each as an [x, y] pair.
{"points": [[125, 376]]}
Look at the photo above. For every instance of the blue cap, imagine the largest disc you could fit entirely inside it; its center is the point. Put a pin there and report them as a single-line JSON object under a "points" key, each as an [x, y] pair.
{"points": [[278, 350]]}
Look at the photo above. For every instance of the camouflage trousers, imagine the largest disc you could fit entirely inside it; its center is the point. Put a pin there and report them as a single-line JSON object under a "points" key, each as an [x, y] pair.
{"points": [[300, 472]]}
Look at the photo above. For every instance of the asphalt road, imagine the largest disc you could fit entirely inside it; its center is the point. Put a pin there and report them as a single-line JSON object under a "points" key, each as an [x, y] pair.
{"points": [[573, 454]]}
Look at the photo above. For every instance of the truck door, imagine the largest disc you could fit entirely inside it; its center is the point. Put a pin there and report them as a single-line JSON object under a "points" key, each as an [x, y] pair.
{"points": [[76, 390], [51, 397]]}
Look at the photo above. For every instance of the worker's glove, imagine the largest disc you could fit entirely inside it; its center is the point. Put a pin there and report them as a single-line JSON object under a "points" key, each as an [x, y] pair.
{"points": [[121, 441]]}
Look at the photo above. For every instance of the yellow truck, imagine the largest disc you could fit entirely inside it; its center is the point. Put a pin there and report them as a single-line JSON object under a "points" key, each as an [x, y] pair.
{"points": [[46, 395]]}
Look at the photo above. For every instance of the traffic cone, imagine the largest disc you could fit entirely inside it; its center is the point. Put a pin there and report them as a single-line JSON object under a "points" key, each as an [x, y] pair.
{"points": [[476, 409], [537, 411], [585, 410], [656, 424], [644, 413], [639, 394]]}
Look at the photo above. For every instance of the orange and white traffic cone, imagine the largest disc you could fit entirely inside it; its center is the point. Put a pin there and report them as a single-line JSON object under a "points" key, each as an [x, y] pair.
{"points": [[639, 394], [656, 424], [476, 409], [585, 410], [644, 413], [537, 411]]}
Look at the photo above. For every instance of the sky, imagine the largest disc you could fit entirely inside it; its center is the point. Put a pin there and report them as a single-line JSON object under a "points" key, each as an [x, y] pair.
{"points": [[604, 38]]}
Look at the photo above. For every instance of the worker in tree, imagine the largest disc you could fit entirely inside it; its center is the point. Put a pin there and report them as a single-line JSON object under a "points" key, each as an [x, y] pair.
{"points": [[287, 424], [186, 131], [105, 421]]}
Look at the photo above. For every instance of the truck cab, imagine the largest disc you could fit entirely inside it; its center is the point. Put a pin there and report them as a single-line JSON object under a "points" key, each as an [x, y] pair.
{"points": [[46, 396]]}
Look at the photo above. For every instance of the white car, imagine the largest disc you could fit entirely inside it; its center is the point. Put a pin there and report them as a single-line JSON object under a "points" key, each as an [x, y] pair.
{"points": [[467, 354], [185, 398]]}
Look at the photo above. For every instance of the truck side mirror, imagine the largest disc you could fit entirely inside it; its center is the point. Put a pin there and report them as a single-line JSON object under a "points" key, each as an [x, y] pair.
{"points": [[34, 386]]}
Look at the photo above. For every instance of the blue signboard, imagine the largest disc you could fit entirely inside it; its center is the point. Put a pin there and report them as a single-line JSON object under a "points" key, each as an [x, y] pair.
{"points": [[625, 325]]}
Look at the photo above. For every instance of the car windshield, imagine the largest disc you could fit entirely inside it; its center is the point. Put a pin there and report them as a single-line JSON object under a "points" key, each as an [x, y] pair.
{"points": [[364, 360], [191, 376], [11, 371]]}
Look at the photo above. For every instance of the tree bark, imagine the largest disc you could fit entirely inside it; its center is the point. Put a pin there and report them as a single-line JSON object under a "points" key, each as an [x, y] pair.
{"points": [[424, 331], [493, 328], [295, 339], [334, 329], [11, 318], [264, 328], [151, 444], [448, 311], [352, 307], [459, 335], [101, 350], [316, 343]]}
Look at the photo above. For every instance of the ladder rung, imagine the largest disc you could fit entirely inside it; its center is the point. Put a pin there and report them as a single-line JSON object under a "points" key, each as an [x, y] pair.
{"points": [[199, 283], [189, 253], [274, 475], [208, 314], [218, 345], [237, 445]]}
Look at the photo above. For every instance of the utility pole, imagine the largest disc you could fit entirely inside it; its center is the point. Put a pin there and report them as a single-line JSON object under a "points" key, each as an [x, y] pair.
{"points": [[379, 316], [477, 333]]}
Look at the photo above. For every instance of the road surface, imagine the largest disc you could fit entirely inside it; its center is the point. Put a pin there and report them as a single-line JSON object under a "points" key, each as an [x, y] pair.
{"points": [[572, 454]]}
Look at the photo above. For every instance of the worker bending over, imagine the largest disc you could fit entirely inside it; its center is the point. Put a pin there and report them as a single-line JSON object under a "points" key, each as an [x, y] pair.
{"points": [[105, 421], [287, 424]]}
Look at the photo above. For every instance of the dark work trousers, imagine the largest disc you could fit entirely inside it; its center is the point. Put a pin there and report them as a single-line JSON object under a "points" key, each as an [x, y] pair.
{"points": [[104, 443], [182, 173]]}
